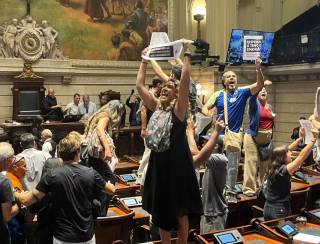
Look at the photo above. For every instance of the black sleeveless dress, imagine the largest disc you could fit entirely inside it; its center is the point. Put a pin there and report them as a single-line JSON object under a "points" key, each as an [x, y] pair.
{"points": [[171, 189]]}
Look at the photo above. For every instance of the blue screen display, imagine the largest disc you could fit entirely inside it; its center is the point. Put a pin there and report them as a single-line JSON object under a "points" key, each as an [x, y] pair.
{"points": [[287, 229], [226, 238], [236, 49], [127, 177], [317, 214], [130, 201]]}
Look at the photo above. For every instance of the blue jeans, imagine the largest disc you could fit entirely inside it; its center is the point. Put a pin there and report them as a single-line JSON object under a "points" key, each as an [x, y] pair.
{"points": [[276, 210]]}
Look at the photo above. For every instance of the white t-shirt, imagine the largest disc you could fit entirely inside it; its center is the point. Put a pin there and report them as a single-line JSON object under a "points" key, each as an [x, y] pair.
{"points": [[72, 109], [35, 160]]}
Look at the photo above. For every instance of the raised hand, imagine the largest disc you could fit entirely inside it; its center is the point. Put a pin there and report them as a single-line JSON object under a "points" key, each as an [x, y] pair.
{"points": [[219, 126], [258, 63]]}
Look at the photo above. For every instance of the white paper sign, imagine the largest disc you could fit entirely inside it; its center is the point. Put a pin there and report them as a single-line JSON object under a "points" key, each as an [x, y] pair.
{"points": [[159, 38], [161, 49], [251, 47], [317, 104], [306, 124]]}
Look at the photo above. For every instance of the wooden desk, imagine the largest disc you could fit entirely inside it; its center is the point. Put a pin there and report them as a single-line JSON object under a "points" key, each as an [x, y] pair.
{"points": [[129, 141], [140, 217], [312, 226], [14, 131], [126, 165], [250, 234], [126, 190], [60, 130], [240, 213]]}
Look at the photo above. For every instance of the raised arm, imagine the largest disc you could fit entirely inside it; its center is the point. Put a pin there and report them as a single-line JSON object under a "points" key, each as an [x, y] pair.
{"points": [[256, 87], [143, 114], [207, 109], [149, 100], [182, 103], [206, 151], [158, 70], [295, 164], [190, 136], [101, 127]]}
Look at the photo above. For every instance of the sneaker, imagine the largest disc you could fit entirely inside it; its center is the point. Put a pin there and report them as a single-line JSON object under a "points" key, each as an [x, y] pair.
{"points": [[231, 198], [249, 194]]}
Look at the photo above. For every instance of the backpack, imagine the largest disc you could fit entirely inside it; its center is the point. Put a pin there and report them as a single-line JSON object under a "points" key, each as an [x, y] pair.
{"points": [[158, 130]]}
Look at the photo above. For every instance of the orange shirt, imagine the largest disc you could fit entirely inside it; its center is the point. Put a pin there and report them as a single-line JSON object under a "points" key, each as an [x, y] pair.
{"points": [[16, 183]]}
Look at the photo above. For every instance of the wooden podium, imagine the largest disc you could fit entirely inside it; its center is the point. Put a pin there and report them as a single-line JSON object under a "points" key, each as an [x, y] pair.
{"points": [[28, 95]]}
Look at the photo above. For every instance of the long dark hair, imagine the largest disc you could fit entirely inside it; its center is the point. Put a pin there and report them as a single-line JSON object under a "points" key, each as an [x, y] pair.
{"points": [[277, 160]]}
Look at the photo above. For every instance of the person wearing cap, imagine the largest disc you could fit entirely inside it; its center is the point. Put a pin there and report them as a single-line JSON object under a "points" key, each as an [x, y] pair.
{"points": [[235, 105], [8, 207], [215, 206], [16, 172], [35, 160]]}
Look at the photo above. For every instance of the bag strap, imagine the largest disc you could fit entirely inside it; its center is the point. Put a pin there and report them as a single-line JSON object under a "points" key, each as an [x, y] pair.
{"points": [[225, 108]]}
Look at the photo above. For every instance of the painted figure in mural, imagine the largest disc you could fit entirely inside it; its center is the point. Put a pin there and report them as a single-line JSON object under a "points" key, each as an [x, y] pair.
{"points": [[114, 52], [140, 19], [127, 49], [119, 5], [50, 36], [95, 9], [135, 38], [9, 37]]}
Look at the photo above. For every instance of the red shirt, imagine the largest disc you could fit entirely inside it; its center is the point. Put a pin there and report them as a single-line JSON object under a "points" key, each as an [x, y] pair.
{"points": [[266, 118]]}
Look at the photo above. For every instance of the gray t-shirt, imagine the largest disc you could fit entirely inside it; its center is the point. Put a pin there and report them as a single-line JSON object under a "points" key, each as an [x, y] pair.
{"points": [[213, 184]]}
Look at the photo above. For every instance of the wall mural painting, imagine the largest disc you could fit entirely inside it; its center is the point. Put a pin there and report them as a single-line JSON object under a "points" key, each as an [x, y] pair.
{"points": [[92, 29]]}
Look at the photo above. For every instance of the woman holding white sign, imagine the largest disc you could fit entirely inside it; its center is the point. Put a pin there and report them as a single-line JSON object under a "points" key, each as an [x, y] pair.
{"points": [[171, 191]]}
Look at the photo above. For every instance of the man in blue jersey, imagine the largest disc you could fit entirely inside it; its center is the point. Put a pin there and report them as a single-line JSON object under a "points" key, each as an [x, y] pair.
{"points": [[236, 101]]}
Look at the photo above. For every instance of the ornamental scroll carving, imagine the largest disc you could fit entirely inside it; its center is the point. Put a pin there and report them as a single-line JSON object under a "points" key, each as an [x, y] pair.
{"points": [[28, 40]]}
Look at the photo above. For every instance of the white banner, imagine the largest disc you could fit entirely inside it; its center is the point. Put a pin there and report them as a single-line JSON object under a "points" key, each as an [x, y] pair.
{"points": [[161, 48], [251, 47]]}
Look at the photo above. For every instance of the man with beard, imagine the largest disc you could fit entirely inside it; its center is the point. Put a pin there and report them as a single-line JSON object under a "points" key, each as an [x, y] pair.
{"points": [[236, 101]]}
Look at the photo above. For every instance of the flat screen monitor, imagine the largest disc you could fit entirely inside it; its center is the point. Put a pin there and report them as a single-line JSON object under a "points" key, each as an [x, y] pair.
{"points": [[130, 201], [317, 213], [128, 177], [226, 238], [246, 45], [288, 229]]}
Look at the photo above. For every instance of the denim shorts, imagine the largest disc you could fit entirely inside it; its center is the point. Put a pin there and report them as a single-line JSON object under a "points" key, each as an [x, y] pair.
{"points": [[276, 210]]}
